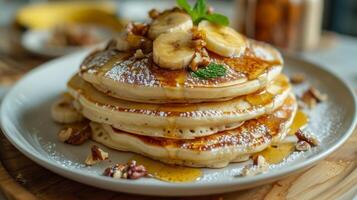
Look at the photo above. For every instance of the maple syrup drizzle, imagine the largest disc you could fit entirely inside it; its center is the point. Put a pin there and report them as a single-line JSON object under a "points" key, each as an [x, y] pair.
{"points": [[261, 98], [249, 64], [276, 153], [169, 173], [300, 121], [173, 78]]}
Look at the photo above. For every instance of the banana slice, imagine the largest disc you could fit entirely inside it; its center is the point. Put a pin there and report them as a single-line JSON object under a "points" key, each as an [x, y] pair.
{"points": [[62, 111], [170, 22], [222, 40], [173, 50]]}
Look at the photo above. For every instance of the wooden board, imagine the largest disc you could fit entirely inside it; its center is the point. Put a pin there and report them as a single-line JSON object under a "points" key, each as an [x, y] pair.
{"points": [[332, 178]]}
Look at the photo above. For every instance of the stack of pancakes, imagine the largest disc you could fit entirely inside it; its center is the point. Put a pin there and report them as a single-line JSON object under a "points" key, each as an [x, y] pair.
{"points": [[170, 115]]}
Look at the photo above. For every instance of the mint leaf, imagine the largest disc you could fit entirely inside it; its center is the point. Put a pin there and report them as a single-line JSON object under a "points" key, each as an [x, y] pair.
{"points": [[200, 8], [213, 70], [200, 12], [217, 19], [185, 5]]}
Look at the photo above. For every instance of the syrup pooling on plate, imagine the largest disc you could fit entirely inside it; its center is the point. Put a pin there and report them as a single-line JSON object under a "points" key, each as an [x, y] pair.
{"points": [[300, 121], [169, 173], [276, 153]]}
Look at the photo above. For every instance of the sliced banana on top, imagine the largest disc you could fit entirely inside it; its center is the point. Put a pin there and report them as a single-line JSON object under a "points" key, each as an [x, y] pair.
{"points": [[173, 50], [62, 110], [170, 22], [222, 40]]}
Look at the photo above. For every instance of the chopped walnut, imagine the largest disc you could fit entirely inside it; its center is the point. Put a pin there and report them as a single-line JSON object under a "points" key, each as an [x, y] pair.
{"points": [[312, 96], [201, 57], [298, 78], [126, 171], [317, 94], [137, 28], [65, 134], [75, 135], [198, 61], [307, 137], [139, 54], [259, 166], [139, 42], [309, 100], [96, 155], [153, 13], [302, 146], [197, 34]]}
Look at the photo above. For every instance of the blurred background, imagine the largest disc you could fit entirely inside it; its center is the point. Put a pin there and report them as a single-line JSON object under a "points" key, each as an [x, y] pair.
{"points": [[35, 31]]}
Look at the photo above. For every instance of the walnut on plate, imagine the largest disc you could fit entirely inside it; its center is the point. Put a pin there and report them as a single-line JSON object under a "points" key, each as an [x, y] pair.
{"points": [[260, 165], [75, 134], [312, 96], [126, 171], [96, 155]]}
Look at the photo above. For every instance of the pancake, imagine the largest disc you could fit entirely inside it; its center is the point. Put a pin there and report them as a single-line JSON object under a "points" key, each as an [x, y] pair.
{"points": [[213, 151], [121, 75], [178, 121]]}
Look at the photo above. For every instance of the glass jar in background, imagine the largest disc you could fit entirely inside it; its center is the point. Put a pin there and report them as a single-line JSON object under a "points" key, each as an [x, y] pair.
{"points": [[293, 25]]}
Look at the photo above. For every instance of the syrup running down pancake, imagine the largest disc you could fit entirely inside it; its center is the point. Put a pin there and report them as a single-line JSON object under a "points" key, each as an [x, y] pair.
{"points": [[184, 91], [121, 75], [180, 121], [214, 151]]}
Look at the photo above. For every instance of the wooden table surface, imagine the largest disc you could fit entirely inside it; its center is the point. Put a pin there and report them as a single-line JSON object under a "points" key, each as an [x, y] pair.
{"points": [[22, 179]]}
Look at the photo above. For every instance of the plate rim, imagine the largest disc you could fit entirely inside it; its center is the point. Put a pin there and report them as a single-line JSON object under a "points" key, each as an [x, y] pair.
{"points": [[90, 179]]}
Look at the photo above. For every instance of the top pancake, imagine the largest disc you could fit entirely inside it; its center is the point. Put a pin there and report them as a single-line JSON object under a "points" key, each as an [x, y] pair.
{"points": [[123, 76]]}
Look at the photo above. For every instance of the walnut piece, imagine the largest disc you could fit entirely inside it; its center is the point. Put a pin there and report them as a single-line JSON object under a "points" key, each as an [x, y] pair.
{"points": [[309, 100], [65, 134], [317, 94], [126, 171], [259, 166], [199, 60], [307, 137], [139, 54], [137, 28], [312, 96], [153, 13], [75, 135], [298, 78], [96, 155], [302, 146]]}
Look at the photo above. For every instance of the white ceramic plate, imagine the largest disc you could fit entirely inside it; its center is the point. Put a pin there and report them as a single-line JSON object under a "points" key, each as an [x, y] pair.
{"points": [[27, 124]]}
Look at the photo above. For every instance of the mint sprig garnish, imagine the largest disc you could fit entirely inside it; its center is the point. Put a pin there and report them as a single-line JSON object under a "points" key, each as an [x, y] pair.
{"points": [[213, 70], [199, 12]]}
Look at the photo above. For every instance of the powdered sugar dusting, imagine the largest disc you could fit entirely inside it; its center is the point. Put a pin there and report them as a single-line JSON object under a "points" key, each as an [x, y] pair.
{"points": [[133, 71], [97, 60]]}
